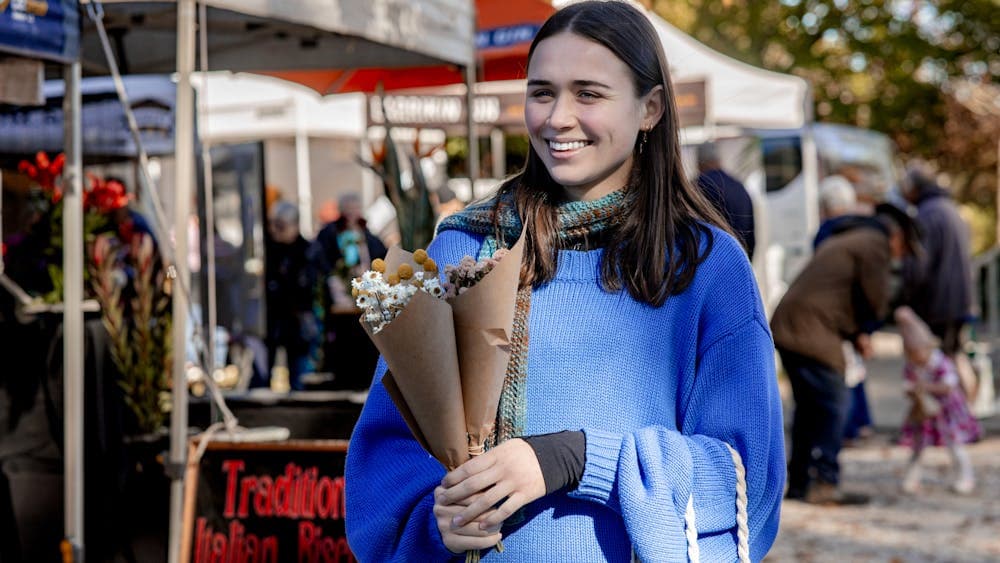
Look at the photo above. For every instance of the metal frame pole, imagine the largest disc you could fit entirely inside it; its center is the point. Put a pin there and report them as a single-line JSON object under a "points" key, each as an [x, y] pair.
{"points": [[470, 118], [184, 151], [73, 390]]}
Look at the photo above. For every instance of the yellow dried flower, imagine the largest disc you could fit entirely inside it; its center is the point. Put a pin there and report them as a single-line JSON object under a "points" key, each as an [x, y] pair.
{"points": [[393, 279], [378, 265], [354, 292], [419, 256], [430, 266], [405, 271]]}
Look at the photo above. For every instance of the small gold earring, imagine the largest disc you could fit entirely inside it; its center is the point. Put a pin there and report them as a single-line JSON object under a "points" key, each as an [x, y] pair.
{"points": [[642, 143]]}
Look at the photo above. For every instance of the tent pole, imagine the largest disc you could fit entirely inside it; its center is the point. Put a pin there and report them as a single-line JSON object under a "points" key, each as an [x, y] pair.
{"points": [[303, 175], [73, 315], [208, 232], [470, 118], [184, 151]]}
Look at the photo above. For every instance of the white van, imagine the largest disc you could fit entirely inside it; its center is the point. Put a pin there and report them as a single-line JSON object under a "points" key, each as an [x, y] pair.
{"points": [[781, 169]]}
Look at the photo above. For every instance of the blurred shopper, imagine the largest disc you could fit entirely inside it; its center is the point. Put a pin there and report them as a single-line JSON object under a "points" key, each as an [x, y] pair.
{"points": [[727, 194], [446, 202], [845, 287], [343, 250], [938, 415], [289, 281], [939, 283], [839, 212]]}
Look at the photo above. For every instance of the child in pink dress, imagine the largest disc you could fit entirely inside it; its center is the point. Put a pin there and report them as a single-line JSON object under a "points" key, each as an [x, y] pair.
{"points": [[939, 415]]}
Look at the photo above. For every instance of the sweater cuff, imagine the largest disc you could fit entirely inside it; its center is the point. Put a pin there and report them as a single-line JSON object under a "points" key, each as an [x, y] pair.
{"points": [[600, 472], [713, 483]]}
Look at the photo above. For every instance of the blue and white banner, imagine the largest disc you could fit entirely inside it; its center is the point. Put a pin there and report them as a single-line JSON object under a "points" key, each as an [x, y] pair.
{"points": [[42, 29], [500, 37], [105, 129]]}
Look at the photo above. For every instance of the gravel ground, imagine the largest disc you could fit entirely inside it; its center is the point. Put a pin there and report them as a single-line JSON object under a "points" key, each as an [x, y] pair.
{"points": [[934, 526]]}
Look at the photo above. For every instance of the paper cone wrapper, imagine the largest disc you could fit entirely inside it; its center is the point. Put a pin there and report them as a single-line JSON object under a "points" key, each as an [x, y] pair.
{"points": [[419, 348], [397, 398], [484, 320]]}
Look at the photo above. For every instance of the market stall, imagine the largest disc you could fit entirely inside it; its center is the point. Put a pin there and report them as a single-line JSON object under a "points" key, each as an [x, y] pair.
{"points": [[261, 35]]}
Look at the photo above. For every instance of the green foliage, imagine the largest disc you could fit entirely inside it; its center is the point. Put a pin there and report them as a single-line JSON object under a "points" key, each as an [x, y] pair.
{"points": [[414, 212], [884, 64]]}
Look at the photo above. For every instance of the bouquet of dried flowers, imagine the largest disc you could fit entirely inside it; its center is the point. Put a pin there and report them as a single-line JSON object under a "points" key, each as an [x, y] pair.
{"points": [[447, 345], [382, 297]]}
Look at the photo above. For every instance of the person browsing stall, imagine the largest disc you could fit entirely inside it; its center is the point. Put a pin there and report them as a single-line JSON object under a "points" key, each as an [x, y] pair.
{"points": [[640, 415]]}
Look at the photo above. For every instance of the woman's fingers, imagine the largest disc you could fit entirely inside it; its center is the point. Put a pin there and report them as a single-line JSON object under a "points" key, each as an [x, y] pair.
{"points": [[467, 469], [491, 520], [461, 538], [484, 503], [469, 486]]}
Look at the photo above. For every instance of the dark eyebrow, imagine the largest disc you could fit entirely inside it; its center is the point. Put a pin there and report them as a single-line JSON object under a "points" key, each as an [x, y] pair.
{"points": [[579, 83]]}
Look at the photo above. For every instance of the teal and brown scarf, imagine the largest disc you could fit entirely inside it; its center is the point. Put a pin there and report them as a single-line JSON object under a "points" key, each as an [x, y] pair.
{"points": [[579, 222]]}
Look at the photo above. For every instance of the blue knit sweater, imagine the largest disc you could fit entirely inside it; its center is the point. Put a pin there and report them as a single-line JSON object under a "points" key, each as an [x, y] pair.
{"points": [[656, 391]]}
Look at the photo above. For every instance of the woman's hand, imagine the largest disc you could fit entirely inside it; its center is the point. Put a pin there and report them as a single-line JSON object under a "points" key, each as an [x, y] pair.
{"points": [[459, 539], [487, 489]]}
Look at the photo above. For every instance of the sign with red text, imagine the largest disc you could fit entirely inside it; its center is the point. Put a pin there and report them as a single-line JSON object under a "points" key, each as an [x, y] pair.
{"points": [[266, 503]]}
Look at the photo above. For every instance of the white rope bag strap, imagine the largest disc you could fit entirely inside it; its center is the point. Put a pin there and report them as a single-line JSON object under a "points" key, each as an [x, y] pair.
{"points": [[742, 521]]}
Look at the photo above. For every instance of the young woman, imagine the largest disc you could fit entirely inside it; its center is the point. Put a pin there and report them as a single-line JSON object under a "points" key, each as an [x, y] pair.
{"points": [[641, 383]]}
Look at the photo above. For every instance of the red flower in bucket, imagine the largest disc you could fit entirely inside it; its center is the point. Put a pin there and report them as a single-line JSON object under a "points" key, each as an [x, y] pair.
{"points": [[105, 196], [45, 172]]}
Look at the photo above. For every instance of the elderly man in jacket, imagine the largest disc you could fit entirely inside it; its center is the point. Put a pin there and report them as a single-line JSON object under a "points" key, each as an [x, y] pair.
{"points": [[939, 283], [847, 286]]}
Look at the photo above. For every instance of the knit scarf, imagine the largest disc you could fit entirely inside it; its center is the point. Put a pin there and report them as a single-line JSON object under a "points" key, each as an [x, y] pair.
{"points": [[579, 222]]}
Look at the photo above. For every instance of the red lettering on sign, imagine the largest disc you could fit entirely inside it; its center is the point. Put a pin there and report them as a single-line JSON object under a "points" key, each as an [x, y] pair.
{"points": [[232, 467], [238, 546], [314, 547]]}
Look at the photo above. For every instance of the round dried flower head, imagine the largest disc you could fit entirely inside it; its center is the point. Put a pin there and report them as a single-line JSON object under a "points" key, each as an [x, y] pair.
{"points": [[430, 266], [405, 271], [419, 256], [354, 292], [378, 265], [393, 279]]}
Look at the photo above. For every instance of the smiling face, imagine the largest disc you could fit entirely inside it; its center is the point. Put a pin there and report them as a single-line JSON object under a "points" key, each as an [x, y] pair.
{"points": [[584, 115]]}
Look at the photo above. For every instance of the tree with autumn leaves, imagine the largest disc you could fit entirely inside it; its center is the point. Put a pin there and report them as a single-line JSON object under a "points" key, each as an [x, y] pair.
{"points": [[912, 69]]}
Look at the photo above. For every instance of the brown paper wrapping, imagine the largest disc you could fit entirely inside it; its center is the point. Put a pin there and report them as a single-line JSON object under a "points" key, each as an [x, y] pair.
{"points": [[447, 360], [419, 348], [484, 320]]}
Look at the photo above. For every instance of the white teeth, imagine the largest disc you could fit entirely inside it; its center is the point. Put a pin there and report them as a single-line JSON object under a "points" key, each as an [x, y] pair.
{"points": [[568, 146]]}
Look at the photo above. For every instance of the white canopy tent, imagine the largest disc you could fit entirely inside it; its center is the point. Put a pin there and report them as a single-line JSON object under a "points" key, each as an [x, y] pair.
{"points": [[268, 35], [258, 35], [735, 93]]}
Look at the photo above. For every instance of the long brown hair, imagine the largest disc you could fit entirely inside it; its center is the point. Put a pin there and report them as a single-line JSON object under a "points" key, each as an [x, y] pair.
{"points": [[655, 250]]}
